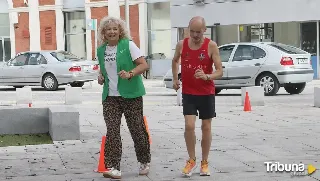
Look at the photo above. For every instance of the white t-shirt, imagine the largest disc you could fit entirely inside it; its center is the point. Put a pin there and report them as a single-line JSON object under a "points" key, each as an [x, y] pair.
{"points": [[111, 65]]}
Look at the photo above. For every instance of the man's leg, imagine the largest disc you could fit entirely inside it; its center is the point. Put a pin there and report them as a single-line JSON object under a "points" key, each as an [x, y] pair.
{"points": [[206, 113], [206, 138], [189, 112]]}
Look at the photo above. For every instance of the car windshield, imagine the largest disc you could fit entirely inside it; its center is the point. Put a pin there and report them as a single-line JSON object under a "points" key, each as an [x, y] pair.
{"points": [[64, 56], [288, 49]]}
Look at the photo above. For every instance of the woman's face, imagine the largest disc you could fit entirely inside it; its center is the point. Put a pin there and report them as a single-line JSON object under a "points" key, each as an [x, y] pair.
{"points": [[112, 32]]}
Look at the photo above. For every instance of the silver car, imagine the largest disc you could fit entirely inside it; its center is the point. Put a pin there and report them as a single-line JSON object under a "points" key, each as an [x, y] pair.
{"points": [[48, 69], [267, 64]]}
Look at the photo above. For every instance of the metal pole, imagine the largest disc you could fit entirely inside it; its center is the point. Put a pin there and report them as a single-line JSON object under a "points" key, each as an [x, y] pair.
{"points": [[127, 15], [318, 54]]}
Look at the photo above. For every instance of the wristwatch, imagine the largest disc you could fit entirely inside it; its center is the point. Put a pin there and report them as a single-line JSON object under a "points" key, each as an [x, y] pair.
{"points": [[208, 77]]}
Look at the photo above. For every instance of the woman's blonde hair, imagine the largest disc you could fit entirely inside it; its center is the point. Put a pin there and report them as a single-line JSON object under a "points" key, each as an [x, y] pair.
{"points": [[105, 22]]}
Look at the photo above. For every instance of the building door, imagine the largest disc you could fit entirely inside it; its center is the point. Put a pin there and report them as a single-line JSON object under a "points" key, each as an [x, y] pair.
{"points": [[5, 49], [75, 33]]}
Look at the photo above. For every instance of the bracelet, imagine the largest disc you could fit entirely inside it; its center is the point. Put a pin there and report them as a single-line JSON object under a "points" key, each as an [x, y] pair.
{"points": [[131, 75]]}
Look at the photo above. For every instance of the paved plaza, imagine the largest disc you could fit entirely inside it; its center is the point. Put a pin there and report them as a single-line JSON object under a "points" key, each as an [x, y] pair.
{"points": [[285, 130]]}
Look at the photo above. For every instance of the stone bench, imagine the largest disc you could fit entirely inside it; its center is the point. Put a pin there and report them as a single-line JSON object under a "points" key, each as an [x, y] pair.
{"points": [[23, 95], [64, 123], [61, 123], [256, 95], [73, 95], [316, 97]]}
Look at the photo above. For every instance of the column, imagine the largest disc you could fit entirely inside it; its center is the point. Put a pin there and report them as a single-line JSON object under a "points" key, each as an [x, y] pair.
{"points": [[88, 32], [13, 18], [59, 25], [143, 27], [34, 25]]}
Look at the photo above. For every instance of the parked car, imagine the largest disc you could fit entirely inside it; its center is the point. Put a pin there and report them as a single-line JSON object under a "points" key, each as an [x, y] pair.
{"points": [[48, 69], [267, 64]]}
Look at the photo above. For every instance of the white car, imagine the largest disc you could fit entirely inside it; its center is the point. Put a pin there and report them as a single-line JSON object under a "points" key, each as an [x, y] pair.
{"points": [[48, 69], [267, 64]]}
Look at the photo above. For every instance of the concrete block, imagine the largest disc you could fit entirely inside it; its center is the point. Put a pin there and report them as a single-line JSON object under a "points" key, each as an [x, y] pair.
{"points": [[23, 95], [24, 121], [317, 97], [73, 95], [64, 123], [256, 95]]}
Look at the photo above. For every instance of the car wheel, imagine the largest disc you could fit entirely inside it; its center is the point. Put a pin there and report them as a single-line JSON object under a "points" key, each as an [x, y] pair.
{"points": [[49, 82], [77, 84], [270, 84], [295, 88]]}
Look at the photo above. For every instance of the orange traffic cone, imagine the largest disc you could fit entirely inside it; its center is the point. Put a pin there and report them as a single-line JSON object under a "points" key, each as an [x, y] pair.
{"points": [[247, 105], [147, 128], [101, 166]]}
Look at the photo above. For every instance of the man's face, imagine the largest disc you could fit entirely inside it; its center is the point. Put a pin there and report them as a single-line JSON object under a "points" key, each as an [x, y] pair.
{"points": [[196, 33]]}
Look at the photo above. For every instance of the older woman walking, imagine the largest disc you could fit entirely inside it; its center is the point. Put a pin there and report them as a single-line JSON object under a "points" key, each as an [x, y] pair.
{"points": [[121, 66]]}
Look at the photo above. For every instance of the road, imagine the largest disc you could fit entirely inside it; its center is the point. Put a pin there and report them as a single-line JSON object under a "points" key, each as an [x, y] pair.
{"points": [[285, 130]]}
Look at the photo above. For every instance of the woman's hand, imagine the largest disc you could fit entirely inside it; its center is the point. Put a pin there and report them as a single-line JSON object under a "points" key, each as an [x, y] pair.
{"points": [[100, 79], [124, 75]]}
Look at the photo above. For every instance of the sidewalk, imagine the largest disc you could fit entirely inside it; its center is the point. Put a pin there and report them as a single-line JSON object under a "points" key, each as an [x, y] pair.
{"points": [[285, 130]]}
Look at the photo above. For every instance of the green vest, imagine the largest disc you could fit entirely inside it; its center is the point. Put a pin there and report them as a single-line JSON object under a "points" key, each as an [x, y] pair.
{"points": [[127, 88]]}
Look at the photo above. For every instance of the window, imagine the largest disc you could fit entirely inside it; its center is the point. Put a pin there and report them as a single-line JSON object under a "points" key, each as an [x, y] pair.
{"points": [[287, 48], [37, 59], [225, 53], [248, 52], [20, 60], [63, 56]]}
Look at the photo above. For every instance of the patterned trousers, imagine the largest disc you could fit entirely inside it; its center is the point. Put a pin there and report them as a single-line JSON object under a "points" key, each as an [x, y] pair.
{"points": [[113, 108]]}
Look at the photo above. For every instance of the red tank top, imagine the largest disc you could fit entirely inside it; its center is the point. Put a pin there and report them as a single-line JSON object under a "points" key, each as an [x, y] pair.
{"points": [[191, 60]]}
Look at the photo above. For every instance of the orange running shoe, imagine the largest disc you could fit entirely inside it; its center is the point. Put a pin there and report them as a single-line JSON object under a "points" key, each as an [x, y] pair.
{"points": [[204, 170], [191, 165]]}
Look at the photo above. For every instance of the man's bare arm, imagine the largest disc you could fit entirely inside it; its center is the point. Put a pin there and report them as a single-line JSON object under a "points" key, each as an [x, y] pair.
{"points": [[176, 60], [216, 60]]}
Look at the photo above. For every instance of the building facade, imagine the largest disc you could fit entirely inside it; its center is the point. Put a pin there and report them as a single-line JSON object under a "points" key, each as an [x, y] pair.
{"points": [[293, 22], [62, 25]]}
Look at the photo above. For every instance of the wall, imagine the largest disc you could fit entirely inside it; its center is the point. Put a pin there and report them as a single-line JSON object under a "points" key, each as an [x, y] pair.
{"points": [[160, 28], [287, 33], [73, 4], [100, 12], [48, 30], [299, 10], [4, 24], [227, 34], [4, 6]]}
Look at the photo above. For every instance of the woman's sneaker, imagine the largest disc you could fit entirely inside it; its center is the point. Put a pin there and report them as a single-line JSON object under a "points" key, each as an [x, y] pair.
{"points": [[144, 168], [112, 173]]}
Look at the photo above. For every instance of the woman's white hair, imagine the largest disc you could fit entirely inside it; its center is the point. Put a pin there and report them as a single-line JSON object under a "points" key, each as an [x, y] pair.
{"points": [[104, 23]]}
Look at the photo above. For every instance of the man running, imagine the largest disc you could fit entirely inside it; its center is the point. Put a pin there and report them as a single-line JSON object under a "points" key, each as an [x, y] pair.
{"points": [[197, 54]]}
